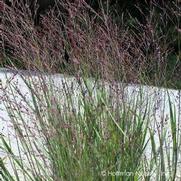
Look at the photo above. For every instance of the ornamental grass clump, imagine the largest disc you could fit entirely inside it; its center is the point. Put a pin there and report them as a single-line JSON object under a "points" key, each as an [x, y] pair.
{"points": [[77, 129]]}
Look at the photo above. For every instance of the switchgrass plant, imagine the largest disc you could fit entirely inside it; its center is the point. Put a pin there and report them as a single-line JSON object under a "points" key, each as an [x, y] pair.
{"points": [[81, 128], [86, 129]]}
